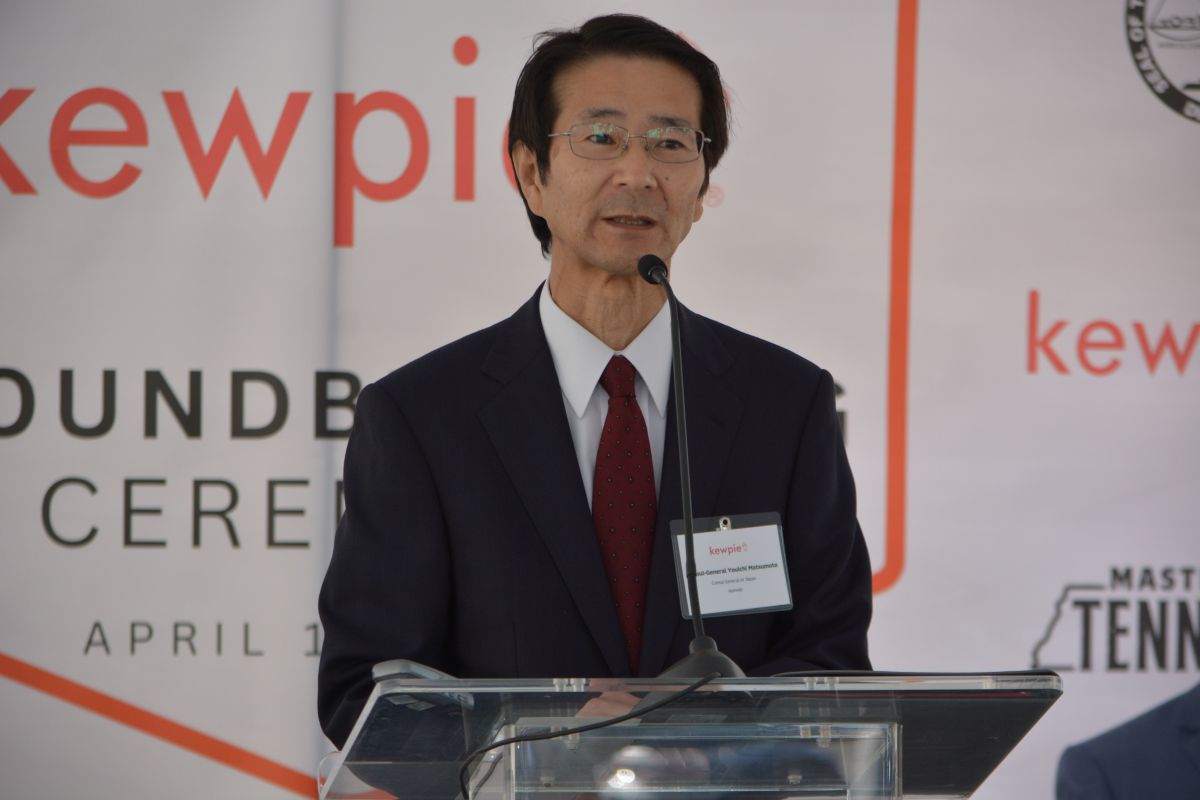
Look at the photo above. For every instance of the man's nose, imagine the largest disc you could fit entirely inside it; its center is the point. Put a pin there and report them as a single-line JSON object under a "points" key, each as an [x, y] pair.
{"points": [[635, 167]]}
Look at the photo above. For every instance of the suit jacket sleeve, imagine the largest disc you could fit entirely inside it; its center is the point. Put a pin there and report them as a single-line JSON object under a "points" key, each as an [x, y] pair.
{"points": [[387, 592], [1080, 777], [828, 565]]}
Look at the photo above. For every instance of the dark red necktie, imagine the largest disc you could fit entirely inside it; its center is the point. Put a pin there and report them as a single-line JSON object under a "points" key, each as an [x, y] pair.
{"points": [[623, 502]]}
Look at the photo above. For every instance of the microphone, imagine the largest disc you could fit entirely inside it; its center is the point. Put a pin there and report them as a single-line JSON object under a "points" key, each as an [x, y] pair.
{"points": [[652, 268], [703, 657]]}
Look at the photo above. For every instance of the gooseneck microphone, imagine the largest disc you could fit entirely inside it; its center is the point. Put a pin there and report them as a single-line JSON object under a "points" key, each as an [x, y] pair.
{"points": [[703, 657]]}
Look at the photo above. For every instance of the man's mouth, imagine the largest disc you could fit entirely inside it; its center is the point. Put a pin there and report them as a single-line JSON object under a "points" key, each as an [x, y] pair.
{"points": [[630, 220]]}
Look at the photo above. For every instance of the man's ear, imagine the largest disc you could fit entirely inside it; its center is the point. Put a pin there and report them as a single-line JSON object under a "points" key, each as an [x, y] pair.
{"points": [[525, 169]]}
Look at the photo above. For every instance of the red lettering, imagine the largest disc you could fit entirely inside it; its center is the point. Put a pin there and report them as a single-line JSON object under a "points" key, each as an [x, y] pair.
{"points": [[464, 148], [346, 176], [63, 137], [1087, 342], [12, 176], [1166, 343], [466, 50], [235, 124], [1042, 342]]}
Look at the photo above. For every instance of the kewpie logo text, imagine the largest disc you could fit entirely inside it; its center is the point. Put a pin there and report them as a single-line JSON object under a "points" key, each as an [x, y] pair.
{"points": [[66, 137], [1101, 347]]}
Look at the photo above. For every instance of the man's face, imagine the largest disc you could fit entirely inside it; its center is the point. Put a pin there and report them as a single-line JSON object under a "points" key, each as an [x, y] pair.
{"points": [[605, 214]]}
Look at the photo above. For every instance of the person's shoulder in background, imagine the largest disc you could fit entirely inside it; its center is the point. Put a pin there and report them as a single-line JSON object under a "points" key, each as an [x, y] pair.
{"points": [[1155, 755]]}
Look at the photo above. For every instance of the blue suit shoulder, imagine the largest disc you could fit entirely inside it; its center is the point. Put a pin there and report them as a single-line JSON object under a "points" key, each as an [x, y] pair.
{"points": [[747, 347], [754, 368], [446, 361], [1156, 754], [459, 376]]}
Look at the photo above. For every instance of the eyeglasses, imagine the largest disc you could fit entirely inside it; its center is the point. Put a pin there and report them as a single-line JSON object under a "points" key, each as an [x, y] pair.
{"points": [[603, 140]]}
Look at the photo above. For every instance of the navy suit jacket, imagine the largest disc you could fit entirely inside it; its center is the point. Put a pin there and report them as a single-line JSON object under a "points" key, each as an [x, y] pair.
{"points": [[1156, 755], [467, 542]]}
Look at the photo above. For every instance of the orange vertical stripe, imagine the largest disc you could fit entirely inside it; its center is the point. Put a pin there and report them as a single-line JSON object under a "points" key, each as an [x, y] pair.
{"points": [[159, 727], [898, 325]]}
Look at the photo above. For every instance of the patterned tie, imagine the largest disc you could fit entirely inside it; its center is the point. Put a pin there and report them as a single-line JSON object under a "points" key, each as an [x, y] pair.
{"points": [[623, 502]]}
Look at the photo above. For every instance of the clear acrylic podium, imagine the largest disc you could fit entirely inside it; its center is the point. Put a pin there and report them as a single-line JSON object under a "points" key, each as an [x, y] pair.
{"points": [[830, 735]]}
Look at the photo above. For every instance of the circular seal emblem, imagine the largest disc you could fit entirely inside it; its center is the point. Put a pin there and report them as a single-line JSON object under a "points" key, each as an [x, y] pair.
{"points": [[1164, 40]]}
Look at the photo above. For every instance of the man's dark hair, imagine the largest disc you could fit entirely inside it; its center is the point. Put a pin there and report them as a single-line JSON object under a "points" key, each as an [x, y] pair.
{"points": [[535, 107]]}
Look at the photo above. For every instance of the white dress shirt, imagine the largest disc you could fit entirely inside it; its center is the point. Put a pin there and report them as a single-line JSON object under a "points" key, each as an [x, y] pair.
{"points": [[580, 359]]}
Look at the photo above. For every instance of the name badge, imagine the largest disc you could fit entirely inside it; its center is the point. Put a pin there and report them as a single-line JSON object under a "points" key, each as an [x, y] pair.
{"points": [[740, 565]]}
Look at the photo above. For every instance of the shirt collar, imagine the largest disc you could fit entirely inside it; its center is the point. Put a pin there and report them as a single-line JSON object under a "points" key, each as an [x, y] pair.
{"points": [[580, 358]]}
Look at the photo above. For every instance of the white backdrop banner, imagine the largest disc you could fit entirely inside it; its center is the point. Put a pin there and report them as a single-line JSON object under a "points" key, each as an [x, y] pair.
{"points": [[218, 221]]}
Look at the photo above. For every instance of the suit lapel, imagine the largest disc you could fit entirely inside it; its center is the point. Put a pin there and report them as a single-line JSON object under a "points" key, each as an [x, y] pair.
{"points": [[527, 425], [714, 413]]}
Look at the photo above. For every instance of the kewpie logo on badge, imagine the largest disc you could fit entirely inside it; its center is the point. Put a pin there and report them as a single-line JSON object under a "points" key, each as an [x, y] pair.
{"points": [[729, 549]]}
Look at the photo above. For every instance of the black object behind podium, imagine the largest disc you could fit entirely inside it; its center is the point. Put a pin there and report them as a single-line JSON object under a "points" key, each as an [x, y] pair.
{"points": [[843, 735]]}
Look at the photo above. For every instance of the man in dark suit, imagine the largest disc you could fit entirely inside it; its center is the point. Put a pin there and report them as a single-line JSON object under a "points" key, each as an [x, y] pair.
{"points": [[1155, 755], [508, 496]]}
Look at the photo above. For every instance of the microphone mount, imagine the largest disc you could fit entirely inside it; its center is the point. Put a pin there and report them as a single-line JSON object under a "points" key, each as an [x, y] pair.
{"points": [[703, 657]]}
